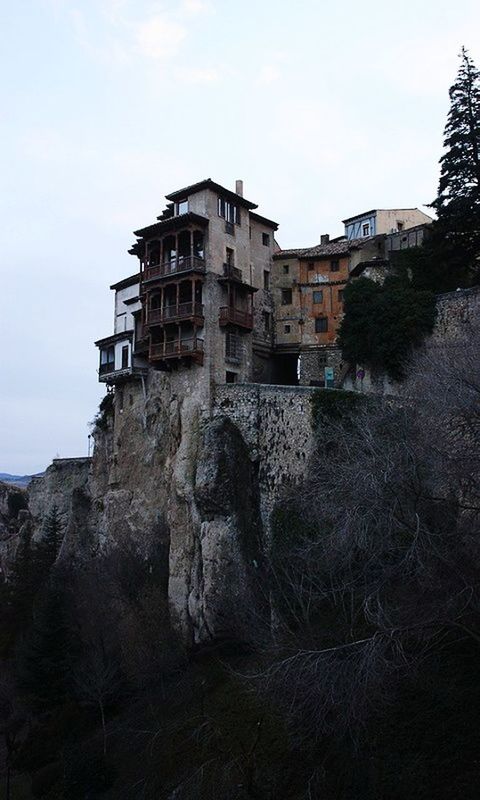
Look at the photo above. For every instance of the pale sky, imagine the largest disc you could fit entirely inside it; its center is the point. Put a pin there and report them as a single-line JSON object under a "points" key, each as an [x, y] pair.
{"points": [[323, 109]]}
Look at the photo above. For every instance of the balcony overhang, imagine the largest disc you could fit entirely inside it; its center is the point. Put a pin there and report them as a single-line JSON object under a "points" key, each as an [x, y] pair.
{"points": [[172, 224], [116, 337]]}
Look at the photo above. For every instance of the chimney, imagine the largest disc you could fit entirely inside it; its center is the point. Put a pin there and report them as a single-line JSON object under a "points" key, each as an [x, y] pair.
{"points": [[239, 188], [324, 238]]}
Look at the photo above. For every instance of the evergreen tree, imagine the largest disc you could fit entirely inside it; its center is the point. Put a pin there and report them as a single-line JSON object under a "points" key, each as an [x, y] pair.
{"points": [[43, 656], [382, 324], [47, 549], [455, 242]]}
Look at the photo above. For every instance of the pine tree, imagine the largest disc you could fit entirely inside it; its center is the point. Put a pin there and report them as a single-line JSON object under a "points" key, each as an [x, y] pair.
{"points": [[47, 549], [43, 656], [455, 243]]}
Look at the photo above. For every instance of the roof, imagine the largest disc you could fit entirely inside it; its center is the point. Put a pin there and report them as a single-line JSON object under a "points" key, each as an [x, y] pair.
{"points": [[334, 248], [115, 337], [171, 224], [376, 210], [207, 183], [131, 281], [269, 223]]}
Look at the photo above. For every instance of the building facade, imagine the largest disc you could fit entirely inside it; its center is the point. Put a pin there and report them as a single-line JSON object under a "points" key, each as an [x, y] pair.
{"points": [[214, 300], [200, 298], [384, 220]]}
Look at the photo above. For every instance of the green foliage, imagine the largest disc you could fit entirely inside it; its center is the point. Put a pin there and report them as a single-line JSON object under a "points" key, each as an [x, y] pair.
{"points": [[43, 656], [382, 324], [104, 414], [334, 403], [455, 243], [47, 549]]}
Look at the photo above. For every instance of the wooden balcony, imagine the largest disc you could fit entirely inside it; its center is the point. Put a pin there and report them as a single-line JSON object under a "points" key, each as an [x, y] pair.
{"points": [[234, 316], [106, 369], [185, 348], [174, 267], [175, 313]]}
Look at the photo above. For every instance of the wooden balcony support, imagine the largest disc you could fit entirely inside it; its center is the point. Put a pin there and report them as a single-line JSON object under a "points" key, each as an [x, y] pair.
{"points": [[229, 315]]}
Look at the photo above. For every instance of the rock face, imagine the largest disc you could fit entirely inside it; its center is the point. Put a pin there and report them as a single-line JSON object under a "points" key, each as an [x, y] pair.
{"points": [[191, 480], [13, 519]]}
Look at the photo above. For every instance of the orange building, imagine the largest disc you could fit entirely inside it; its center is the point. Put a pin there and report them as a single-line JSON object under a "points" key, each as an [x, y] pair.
{"points": [[308, 287]]}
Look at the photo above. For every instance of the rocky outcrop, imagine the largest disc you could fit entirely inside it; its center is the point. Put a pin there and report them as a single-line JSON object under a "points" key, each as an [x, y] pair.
{"points": [[14, 517], [188, 482]]}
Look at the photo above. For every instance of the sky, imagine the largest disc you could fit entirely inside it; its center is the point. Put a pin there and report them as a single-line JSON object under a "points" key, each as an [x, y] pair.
{"points": [[323, 109]]}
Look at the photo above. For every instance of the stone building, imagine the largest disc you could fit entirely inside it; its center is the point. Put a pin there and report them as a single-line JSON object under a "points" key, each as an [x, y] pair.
{"points": [[201, 298], [384, 220], [214, 300], [308, 289]]}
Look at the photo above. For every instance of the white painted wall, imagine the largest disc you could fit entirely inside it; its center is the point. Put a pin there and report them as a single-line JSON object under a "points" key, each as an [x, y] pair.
{"points": [[123, 320]]}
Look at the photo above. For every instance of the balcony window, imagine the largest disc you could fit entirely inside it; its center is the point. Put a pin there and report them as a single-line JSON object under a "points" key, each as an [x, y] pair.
{"points": [[198, 244], [125, 357], [366, 229], [318, 296], [286, 297], [334, 265], [181, 207], [107, 360], [229, 211]]}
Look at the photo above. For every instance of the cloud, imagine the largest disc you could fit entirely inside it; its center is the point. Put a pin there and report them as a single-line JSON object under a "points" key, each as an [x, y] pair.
{"points": [[198, 75], [268, 74], [159, 37], [196, 6]]}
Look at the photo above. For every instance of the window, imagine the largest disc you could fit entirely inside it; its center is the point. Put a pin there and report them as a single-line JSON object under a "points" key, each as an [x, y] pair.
{"points": [[322, 360], [321, 325], [266, 279], [311, 265], [286, 269], [231, 377], [267, 321], [318, 296], [366, 229], [286, 297], [400, 226], [287, 328], [125, 357], [229, 211], [230, 257], [266, 239], [233, 347], [340, 295], [107, 360], [181, 207], [334, 265]]}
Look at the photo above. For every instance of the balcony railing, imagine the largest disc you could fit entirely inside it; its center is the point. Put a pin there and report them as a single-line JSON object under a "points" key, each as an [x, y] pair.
{"points": [[234, 316], [229, 271], [176, 348], [159, 316], [175, 265], [106, 369]]}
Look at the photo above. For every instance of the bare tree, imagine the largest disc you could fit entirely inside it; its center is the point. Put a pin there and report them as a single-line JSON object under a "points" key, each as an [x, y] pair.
{"points": [[376, 560]]}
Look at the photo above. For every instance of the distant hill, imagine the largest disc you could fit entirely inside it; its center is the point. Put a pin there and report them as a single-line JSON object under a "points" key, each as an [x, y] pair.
{"points": [[18, 480]]}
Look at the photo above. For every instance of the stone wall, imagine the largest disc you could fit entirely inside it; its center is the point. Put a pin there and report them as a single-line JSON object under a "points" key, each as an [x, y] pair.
{"points": [[456, 312], [276, 424]]}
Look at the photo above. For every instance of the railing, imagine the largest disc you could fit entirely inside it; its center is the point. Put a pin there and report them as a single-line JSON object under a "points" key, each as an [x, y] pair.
{"points": [[176, 348], [180, 264], [106, 369], [229, 271], [236, 317], [168, 313]]}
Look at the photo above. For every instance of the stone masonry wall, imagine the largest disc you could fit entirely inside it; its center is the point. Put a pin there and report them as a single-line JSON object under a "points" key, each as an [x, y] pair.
{"points": [[276, 423]]}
